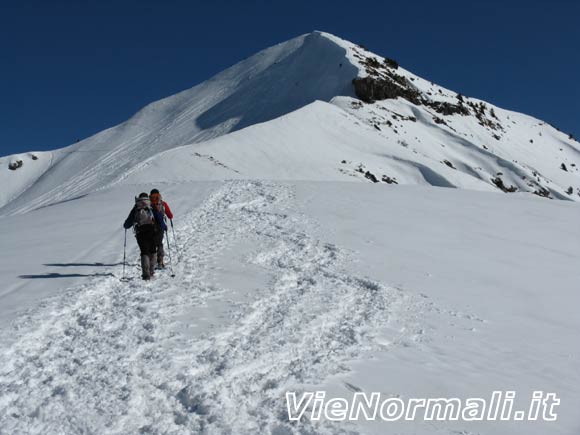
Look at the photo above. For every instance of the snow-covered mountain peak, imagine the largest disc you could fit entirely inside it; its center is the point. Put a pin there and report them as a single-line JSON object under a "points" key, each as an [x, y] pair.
{"points": [[271, 83], [420, 131], [338, 280]]}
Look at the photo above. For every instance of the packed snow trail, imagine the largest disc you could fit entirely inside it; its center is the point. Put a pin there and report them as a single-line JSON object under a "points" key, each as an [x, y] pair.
{"points": [[112, 358]]}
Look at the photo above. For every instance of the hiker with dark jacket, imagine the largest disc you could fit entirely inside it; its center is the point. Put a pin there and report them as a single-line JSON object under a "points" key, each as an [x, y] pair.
{"points": [[147, 223], [162, 208]]}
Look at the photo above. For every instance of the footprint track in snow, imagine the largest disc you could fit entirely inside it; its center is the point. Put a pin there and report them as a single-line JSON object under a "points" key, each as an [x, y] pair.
{"points": [[107, 357]]}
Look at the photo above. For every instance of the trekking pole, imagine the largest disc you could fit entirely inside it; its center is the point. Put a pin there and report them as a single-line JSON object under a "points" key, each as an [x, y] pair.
{"points": [[169, 251], [175, 241], [124, 255]]}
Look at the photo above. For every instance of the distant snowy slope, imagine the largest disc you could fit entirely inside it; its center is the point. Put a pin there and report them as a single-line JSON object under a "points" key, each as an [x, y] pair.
{"points": [[400, 126], [271, 83], [394, 143], [318, 142], [20, 171]]}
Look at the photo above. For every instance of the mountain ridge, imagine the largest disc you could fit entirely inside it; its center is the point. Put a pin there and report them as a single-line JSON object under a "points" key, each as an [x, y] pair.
{"points": [[292, 75]]}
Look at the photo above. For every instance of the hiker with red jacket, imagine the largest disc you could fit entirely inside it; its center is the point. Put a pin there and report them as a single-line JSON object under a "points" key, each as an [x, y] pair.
{"points": [[147, 223], [163, 209]]}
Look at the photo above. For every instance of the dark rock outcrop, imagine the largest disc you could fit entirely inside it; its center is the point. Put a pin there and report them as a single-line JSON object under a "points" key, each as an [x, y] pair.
{"points": [[391, 63], [382, 83], [543, 192], [370, 176], [447, 109], [370, 89], [500, 185], [389, 180], [15, 165]]}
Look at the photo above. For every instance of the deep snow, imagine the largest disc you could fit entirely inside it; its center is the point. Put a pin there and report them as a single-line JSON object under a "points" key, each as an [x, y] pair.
{"points": [[292, 286]]}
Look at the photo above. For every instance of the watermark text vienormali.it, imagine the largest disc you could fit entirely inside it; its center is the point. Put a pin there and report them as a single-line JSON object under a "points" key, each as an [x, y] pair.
{"points": [[362, 406]]}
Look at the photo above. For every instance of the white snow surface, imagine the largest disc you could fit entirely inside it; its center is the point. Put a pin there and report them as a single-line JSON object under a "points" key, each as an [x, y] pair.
{"points": [[293, 270], [29, 167], [287, 286]]}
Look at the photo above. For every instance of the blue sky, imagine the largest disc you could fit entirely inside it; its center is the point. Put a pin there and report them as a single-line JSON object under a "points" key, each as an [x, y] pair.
{"points": [[73, 68]]}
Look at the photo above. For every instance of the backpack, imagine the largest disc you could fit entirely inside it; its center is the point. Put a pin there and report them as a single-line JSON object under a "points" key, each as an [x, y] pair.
{"points": [[143, 213], [159, 205]]}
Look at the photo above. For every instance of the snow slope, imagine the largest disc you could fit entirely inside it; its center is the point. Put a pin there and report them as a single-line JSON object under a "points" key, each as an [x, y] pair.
{"points": [[27, 169], [339, 141], [54, 247], [317, 142], [271, 83], [408, 291], [288, 276], [424, 130]]}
